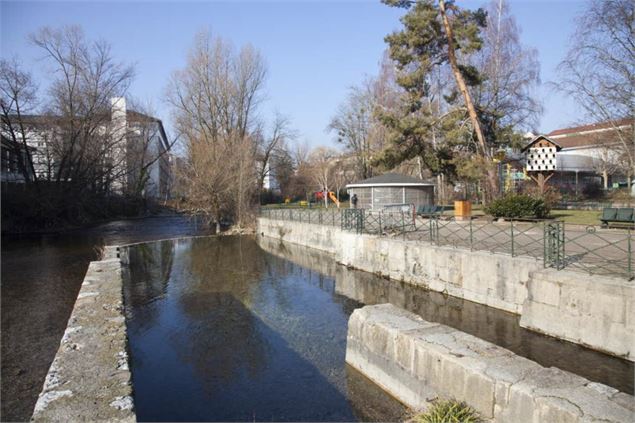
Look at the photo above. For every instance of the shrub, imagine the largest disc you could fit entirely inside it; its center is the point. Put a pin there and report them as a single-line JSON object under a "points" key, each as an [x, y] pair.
{"points": [[551, 196], [518, 205], [448, 411]]}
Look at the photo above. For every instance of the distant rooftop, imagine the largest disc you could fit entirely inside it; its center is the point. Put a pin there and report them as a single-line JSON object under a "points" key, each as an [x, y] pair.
{"points": [[390, 179], [589, 128]]}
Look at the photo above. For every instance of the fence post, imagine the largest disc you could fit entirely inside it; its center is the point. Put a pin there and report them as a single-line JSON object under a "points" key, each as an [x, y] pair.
{"points": [[380, 231], [630, 256], [554, 245], [471, 236], [403, 226], [512, 228]]}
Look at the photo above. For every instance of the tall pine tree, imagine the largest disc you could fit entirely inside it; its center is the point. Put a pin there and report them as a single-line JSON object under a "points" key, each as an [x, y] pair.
{"points": [[435, 34]]}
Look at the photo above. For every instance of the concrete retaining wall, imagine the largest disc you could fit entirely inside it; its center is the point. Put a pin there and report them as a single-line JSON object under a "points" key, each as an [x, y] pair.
{"points": [[89, 379], [496, 280], [594, 311], [418, 361]]}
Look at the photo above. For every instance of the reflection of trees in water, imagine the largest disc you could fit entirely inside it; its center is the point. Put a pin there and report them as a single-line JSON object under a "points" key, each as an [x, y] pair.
{"points": [[221, 339], [239, 331], [227, 264], [147, 276]]}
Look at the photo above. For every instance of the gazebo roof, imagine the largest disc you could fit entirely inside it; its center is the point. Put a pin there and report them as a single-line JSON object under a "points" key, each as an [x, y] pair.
{"points": [[390, 180]]}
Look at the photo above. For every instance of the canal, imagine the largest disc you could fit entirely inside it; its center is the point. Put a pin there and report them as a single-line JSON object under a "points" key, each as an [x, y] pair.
{"points": [[234, 329], [41, 276]]}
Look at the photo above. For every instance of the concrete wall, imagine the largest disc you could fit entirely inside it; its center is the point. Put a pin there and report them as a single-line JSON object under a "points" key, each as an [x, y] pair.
{"points": [[496, 280], [418, 361], [594, 311], [89, 379]]}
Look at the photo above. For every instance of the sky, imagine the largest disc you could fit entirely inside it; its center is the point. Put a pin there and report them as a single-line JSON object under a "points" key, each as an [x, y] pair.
{"points": [[315, 50]]}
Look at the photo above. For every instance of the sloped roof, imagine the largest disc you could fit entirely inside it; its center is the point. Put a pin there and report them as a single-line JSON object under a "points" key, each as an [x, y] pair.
{"points": [[390, 179], [591, 127], [542, 137], [602, 133]]}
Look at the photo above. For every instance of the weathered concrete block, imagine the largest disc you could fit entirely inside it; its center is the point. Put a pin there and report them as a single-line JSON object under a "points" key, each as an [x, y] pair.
{"points": [[89, 379], [592, 311], [440, 361]]}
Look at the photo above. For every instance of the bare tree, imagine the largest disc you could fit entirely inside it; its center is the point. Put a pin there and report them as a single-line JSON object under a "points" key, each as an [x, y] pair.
{"points": [[606, 162], [598, 71], [510, 75], [17, 99], [87, 146], [353, 123], [215, 100], [270, 144], [322, 160]]}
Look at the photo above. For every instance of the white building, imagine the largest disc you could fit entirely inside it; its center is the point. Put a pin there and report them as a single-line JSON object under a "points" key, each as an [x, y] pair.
{"points": [[580, 155], [135, 146]]}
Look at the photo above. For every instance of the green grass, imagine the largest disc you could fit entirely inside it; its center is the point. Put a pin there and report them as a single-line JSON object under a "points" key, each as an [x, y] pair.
{"points": [[578, 217], [448, 411]]}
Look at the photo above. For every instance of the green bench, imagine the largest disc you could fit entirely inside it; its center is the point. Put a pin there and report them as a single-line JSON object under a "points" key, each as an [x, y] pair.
{"points": [[623, 216], [429, 210]]}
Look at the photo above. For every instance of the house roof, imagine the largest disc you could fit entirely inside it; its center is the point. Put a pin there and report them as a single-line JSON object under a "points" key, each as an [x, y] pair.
{"points": [[602, 133], [540, 138], [389, 179], [592, 127]]}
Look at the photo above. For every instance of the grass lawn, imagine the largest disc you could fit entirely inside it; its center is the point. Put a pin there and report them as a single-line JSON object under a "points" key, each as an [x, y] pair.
{"points": [[578, 217]]}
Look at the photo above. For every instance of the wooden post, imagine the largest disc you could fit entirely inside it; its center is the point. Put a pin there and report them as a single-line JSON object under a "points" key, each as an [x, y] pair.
{"points": [[541, 180]]}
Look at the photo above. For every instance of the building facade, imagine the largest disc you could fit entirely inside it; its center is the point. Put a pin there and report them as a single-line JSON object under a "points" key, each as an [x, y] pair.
{"points": [[133, 146], [581, 157]]}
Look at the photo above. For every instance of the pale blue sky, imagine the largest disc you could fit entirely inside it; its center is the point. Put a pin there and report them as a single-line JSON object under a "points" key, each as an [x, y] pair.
{"points": [[315, 50]]}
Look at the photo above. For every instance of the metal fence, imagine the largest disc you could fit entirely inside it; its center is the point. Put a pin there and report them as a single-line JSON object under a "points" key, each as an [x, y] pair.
{"points": [[591, 249]]}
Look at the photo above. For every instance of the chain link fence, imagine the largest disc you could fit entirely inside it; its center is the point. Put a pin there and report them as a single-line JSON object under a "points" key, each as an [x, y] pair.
{"points": [[591, 249]]}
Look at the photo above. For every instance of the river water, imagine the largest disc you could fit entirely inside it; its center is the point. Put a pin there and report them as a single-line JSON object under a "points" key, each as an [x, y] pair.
{"points": [[41, 277], [247, 308], [235, 329]]}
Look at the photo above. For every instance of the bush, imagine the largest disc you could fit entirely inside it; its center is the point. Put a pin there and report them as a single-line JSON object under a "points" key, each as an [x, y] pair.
{"points": [[518, 205], [551, 196], [449, 411]]}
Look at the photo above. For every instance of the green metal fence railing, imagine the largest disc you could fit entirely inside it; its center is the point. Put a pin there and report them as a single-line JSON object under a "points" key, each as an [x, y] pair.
{"points": [[592, 249]]}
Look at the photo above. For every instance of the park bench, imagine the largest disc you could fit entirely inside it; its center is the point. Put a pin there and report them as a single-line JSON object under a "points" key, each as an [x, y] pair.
{"points": [[623, 216], [429, 210]]}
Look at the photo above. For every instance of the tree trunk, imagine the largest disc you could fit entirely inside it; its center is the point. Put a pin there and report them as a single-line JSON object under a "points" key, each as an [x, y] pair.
{"points": [[492, 177]]}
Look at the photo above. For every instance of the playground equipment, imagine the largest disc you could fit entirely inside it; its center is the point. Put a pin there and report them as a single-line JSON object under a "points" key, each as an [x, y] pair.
{"points": [[334, 199], [319, 196]]}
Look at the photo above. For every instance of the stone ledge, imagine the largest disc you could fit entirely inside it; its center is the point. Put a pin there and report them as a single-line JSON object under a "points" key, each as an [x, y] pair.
{"points": [[417, 361], [89, 379]]}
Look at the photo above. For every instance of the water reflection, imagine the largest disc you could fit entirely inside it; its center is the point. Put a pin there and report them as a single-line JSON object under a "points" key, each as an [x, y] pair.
{"points": [[220, 330], [487, 323]]}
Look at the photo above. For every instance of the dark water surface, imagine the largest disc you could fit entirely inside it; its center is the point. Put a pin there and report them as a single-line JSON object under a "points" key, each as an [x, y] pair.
{"points": [[234, 330], [219, 330], [41, 277]]}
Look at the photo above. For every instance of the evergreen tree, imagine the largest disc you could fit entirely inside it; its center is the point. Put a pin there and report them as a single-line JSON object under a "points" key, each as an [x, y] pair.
{"points": [[436, 34]]}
